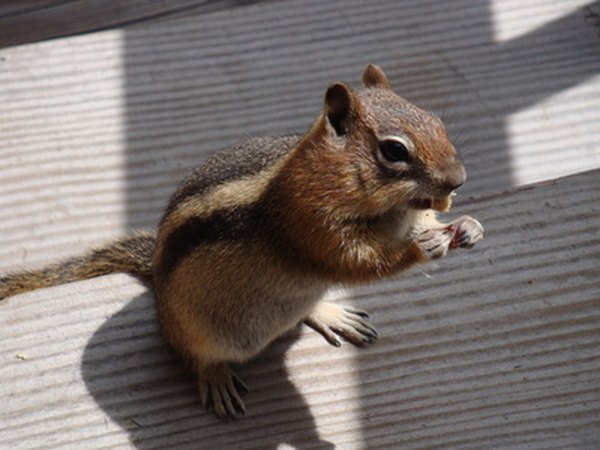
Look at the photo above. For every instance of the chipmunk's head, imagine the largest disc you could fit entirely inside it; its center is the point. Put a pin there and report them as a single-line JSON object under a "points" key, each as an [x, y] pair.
{"points": [[397, 154]]}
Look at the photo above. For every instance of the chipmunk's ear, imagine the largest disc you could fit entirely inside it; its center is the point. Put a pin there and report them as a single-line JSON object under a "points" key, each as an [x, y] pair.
{"points": [[373, 77], [341, 107]]}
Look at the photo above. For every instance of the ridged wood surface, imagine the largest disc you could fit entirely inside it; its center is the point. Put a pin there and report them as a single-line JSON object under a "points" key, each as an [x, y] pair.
{"points": [[96, 130], [24, 21], [496, 347]]}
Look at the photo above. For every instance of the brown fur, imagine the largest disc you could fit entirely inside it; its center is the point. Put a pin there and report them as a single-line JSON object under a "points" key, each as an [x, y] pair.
{"points": [[250, 241]]}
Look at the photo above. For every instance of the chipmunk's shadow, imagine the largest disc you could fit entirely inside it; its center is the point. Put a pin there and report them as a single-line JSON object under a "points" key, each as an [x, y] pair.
{"points": [[136, 381]]}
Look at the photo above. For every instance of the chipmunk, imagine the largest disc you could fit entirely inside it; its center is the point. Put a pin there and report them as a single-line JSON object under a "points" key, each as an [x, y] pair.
{"points": [[252, 239]]}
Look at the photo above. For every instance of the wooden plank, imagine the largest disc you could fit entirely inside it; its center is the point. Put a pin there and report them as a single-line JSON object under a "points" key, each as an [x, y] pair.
{"points": [[25, 21], [495, 348], [96, 130], [148, 102], [17, 7]]}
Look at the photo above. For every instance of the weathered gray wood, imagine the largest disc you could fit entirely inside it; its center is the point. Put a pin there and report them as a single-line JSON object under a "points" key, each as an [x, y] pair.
{"points": [[25, 21], [496, 347], [96, 130]]}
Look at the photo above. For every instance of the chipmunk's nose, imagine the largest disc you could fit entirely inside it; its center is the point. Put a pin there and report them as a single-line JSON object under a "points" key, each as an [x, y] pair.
{"points": [[455, 177]]}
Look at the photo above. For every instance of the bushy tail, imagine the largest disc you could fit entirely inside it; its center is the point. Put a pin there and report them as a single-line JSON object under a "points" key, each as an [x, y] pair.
{"points": [[131, 254]]}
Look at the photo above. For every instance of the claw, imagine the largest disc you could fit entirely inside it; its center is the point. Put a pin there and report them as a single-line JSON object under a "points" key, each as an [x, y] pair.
{"points": [[239, 383], [365, 330], [357, 312], [226, 398], [350, 324], [218, 406], [219, 388], [203, 391], [238, 403]]}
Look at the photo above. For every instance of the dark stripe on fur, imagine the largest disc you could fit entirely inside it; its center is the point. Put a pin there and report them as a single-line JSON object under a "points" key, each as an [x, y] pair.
{"points": [[221, 226], [232, 163]]}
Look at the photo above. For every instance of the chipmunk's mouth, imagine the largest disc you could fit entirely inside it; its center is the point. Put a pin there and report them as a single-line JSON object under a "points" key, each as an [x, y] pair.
{"points": [[440, 204], [421, 203]]}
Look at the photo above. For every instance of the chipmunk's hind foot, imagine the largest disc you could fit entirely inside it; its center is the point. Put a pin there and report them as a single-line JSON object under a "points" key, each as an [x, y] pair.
{"points": [[351, 324], [219, 388]]}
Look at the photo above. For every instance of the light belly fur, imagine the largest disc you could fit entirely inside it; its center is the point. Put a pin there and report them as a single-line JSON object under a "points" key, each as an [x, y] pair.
{"points": [[240, 298]]}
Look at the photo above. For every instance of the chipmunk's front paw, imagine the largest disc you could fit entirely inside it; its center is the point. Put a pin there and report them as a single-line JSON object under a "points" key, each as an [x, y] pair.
{"points": [[219, 389], [351, 324], [467, 232], [436, 242]]}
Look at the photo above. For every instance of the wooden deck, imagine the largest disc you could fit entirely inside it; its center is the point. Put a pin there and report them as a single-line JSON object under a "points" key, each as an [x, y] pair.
{"points": [[497, 347]]}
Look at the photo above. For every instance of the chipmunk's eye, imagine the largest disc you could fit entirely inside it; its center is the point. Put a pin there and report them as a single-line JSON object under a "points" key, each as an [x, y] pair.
{"points": [[393, 151]]}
